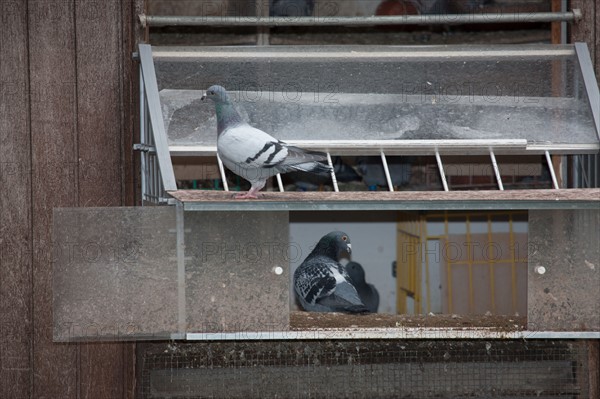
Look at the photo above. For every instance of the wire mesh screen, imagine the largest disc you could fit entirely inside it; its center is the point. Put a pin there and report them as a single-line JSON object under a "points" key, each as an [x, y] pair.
{"points": [[365, 369]]}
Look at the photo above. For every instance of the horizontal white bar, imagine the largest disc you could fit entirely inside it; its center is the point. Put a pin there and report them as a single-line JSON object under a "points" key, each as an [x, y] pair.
{"points": [[564, 148], [371, 55], [374, 147], [426, 19]]}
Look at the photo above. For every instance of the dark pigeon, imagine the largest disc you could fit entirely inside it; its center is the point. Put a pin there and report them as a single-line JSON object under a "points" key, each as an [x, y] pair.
{"points": [[373, 173], [367, 292], [291, 8], [322, 284]]}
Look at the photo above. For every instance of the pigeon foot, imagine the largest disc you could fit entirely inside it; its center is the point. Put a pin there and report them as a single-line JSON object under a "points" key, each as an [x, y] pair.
{"points": [[247, 195]]}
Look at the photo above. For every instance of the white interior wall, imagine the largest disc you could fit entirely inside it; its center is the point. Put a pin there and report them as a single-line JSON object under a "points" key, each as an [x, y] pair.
{"points": [[373, 236]]}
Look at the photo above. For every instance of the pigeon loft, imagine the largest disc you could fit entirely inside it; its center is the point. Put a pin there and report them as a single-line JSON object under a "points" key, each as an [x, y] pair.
{"points": [[475, 129]]}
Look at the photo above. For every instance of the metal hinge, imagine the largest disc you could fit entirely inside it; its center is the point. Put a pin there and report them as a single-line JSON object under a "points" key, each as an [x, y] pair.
{"points": [[144, 147]]}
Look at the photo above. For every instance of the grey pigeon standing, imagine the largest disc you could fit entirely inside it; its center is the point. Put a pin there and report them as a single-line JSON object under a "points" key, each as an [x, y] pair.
{"points": [[253, 154], [367, 292], [322, 284]]}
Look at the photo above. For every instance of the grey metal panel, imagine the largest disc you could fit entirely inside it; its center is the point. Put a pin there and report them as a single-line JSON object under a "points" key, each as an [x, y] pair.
{"points": [[447, 19], [156, 119], [232, 283], [564, 270], [115, 273], [412, 205], [137, 273], [392, 333], [589, 79]]}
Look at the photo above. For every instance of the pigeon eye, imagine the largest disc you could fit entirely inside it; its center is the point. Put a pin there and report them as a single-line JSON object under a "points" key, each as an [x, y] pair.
{"points": [[345, 238], [211, 92]]}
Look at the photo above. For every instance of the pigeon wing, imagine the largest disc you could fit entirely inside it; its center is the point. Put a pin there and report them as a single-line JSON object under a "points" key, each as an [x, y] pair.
{"points": [[298, 159], [313, 281], [344, 299], [345, 292], [249, 147]]}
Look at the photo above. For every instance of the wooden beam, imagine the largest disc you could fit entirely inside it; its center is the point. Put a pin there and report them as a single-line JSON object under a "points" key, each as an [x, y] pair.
{"points": [[99, 40], [548, 195], [556, 26], [15, 205], [586, 29], [55, 178], [594, 368]]}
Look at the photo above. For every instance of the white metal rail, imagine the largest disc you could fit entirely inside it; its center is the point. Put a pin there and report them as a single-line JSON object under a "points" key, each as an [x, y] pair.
{"points": [[433, 19], [394, 147]]}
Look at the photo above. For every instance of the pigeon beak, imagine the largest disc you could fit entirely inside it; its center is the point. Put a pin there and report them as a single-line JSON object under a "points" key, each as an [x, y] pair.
{"points": [[203, 97], [349, 248]]}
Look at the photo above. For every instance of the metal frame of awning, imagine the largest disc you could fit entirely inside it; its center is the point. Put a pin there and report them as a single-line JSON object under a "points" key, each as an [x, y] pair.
{"points": [[157, 169]]}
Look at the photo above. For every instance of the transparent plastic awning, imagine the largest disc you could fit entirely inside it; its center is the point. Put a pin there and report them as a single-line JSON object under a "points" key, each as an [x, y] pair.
{"points": [[544, 96]]}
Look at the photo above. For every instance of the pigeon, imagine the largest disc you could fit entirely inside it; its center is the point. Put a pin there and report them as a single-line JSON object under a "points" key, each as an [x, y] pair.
{"points": [[253, 154], [344, 173], [374, 175], [291, 8], [367, 292], [322, 284]]}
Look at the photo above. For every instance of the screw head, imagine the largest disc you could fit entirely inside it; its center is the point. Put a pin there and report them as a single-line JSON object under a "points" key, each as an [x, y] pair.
{"points": [[540, 269]]}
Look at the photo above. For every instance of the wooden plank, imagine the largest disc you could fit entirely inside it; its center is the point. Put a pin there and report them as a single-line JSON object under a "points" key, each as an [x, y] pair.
{"points": [[15, 205], [555, 26], [54, 180], [101, 54], [133, 33], [137, 34], [577, 195], [596, 44], [130, 92], [594, 368], [585, 29], [99, 100]]}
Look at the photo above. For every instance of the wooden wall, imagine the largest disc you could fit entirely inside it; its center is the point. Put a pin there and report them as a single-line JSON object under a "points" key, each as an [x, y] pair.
{"points": [[67, 106], [588, 29], [67, 117]]}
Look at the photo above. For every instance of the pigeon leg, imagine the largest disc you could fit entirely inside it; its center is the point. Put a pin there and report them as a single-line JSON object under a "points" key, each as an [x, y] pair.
{"points": [[252, 192], [249, 194]]}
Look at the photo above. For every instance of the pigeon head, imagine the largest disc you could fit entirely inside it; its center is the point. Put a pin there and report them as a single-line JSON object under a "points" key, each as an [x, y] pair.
{"points": [[356, 272], [227, 115], [216, 93], [333, 245]]}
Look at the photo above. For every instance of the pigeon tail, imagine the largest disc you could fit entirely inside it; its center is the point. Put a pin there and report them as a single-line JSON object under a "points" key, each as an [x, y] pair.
{"points": [[313, 167], [337, 304], [357, 309]]}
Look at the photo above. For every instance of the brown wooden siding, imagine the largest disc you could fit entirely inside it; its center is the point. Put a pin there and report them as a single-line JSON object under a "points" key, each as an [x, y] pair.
{"points": [[66, 130], [68, 105]]}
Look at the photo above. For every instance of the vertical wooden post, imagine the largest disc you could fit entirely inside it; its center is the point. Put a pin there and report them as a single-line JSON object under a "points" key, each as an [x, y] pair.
{"points": [[15, 205], [588, 29], [67, 106], [593, 348], [55, 178], [100, 99]]}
